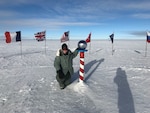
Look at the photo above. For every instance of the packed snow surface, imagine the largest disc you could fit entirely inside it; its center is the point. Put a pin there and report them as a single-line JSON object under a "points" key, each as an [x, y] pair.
{"points": [[113, 83]]}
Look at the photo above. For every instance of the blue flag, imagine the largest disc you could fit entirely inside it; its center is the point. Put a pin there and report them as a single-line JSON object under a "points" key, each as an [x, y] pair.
{"points": [[112, 37]]}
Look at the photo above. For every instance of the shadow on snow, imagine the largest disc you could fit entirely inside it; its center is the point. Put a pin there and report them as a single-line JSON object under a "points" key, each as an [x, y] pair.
{"points": [[87, 67], [125, 98], [20, 54]]}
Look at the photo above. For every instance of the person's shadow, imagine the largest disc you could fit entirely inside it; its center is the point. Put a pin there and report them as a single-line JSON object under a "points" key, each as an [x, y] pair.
{"points": [[125, 98], [87, 67]]}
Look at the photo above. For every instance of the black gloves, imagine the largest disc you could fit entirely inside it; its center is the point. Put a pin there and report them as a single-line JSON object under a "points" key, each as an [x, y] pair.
{"points": [[78, 49], [60, 74]]}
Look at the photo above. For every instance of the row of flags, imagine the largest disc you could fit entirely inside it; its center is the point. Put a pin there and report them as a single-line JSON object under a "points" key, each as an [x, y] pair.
{"points": [[41, 36], [148, 37]]}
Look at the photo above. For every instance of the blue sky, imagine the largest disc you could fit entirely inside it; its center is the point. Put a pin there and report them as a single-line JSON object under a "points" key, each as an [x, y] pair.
{"points": [[127, 19]]}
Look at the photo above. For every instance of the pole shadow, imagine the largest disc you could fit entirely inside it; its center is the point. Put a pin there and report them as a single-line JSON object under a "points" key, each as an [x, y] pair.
{"points": [[137, 51], [125, 98], [87, 67], [19, 54]]}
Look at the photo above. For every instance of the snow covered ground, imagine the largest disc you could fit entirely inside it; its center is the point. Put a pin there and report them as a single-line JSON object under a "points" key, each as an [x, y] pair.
{"points": [[118, 83]]}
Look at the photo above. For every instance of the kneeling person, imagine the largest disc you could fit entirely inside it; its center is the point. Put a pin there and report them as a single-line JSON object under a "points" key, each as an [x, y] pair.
{"points": [[63, 64]]}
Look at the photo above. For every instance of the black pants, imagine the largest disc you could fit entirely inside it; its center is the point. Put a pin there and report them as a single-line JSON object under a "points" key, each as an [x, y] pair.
{"points": [[64, 81]]}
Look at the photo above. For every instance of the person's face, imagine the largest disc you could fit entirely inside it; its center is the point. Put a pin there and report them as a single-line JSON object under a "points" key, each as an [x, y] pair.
{"points": [[65, 51]]}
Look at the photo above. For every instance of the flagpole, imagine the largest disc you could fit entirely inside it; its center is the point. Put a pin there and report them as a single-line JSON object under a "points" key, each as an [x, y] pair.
{"points": [[90, 42], [21, 48], [45, 46], [69, 39], [90, 48], [146, 44], [69, 43], [112, 40], [45, 42], [146, 49], [112, 48]]}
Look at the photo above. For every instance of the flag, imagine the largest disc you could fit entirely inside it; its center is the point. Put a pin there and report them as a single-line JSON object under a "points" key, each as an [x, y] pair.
{"points": [[112, 37], [88, 38], [148, 37], [40, 36], [65, 37], [12, 36]]}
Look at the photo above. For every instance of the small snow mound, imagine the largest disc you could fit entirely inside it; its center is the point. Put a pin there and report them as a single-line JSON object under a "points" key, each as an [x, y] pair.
{"points": [[41, 80], [3, 100], [25, 90], [80, 87]]}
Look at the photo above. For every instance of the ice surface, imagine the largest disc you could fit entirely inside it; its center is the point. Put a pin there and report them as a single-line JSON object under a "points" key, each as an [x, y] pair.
{"points": [[117, 83]]}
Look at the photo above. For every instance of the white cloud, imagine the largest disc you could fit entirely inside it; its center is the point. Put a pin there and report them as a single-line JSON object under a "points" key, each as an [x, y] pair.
{"points": [[142, 5], [45, 23], [16, 2], [5, 13], [142, 16]]}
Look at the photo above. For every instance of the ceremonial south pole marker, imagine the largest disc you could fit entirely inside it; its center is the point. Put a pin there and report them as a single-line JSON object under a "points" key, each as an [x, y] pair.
{"points": [[82, 48]]}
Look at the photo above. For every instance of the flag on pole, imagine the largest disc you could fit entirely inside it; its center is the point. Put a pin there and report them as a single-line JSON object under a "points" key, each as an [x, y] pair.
{"points": [[112, 37], [148, 37], [112, 40], [65, 37], [40, 36], [88, 38], [12, 36]]}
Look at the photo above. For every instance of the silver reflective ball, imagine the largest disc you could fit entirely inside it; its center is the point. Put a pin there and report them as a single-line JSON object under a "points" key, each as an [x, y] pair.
{"points": [[82, 44]]}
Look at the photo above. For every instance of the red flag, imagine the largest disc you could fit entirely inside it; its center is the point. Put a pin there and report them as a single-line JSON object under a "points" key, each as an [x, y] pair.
{"points": [[88, 38], [13, 36], [40, 36], [65, 37]]}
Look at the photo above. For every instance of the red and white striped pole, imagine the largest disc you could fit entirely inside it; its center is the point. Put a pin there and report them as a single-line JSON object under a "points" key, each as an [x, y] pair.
{"points": [[81, 77], [82, 48]]}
